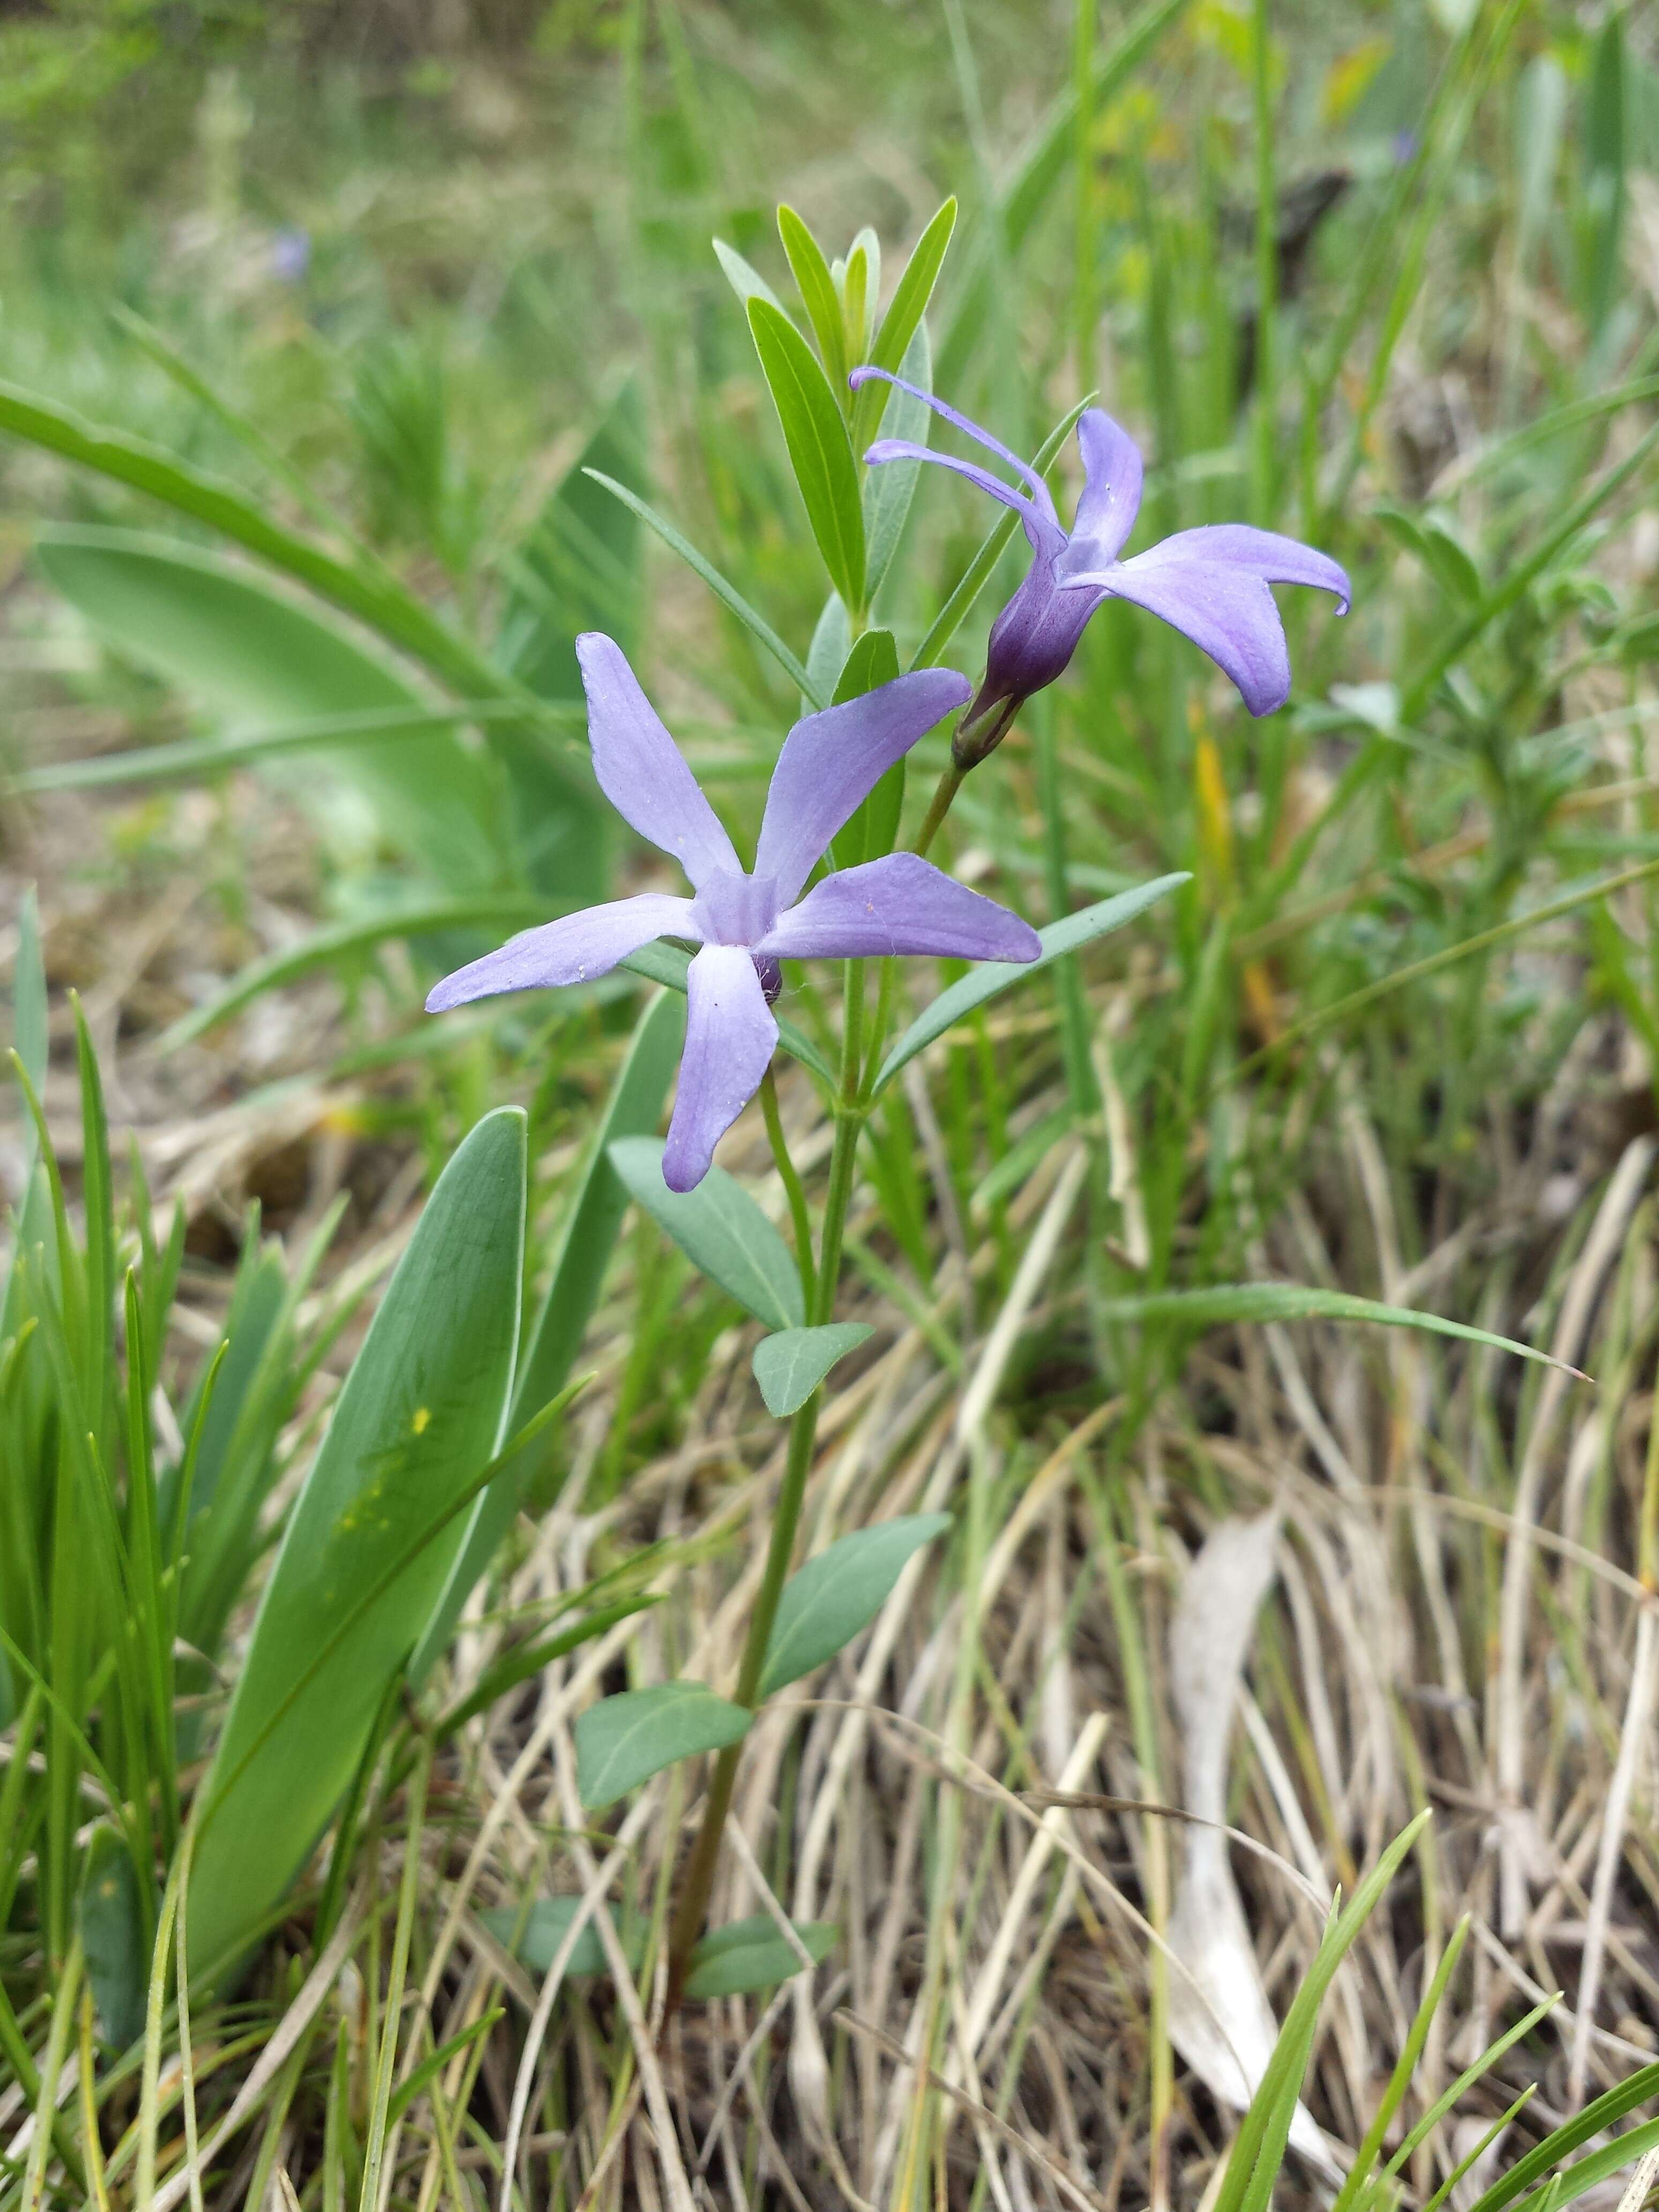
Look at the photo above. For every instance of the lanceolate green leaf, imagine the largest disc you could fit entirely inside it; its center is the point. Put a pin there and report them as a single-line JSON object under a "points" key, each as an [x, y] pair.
{"points": [[720, 1229], [755, 1954], [593, 1215], [841, 1591], [623, 1741], [902, 322], [790, 1365], [219, 632], [1271, 1302], [418, 1418], [743, 277], [820, 451], [992, 977], [818, 297]]}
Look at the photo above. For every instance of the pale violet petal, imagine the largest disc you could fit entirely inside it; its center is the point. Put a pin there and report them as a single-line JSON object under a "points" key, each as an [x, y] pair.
{"points": [[1227, 612], [968, 428], [640, 769], [574, 949], [900, 903], [1262, 553], [730, 1034], [1111, 489], [831, 762], [1042, 533]]}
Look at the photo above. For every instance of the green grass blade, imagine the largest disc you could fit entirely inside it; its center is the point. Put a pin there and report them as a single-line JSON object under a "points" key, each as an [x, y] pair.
{"points": [[1280, 1302], [728, 594]]}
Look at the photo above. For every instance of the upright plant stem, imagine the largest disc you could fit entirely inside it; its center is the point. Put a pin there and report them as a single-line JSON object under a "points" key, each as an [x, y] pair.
{"points": [[692, 1905], [949, 784], [1263, 452], [799, 1220]]}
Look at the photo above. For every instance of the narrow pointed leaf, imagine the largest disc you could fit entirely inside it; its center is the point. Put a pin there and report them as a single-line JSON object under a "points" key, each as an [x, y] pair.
{"points": [[726, 593], [1271, 1302], [993, 977], [901, 325], [743, 277], [113, 1937], [820, 451], [817, 290], [790, 1365], [841, 1591], [593, 1215], [623, 1741], [755, 1954], [720, 1229]]}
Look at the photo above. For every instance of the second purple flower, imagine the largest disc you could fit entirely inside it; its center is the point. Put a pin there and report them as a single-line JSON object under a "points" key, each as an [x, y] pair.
{"points": [[1211, 584]]}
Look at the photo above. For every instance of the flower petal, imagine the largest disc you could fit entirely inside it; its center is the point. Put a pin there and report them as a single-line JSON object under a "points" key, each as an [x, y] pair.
{"points": [[1044, 533], [901, 903], [832, 762], [1039, 490], [1227, 613], [574, 949], [642, 771], [1212, 585], [1111, 489], [1262, 553], [729, 1036]]}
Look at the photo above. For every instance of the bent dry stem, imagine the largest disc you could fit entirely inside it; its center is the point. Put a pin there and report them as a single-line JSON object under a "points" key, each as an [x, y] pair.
{"points": [[820, 1285]]}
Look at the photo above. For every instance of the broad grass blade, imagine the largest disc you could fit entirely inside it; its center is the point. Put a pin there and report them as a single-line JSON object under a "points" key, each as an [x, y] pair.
{"points": [[419, 1416], [218, 632]]}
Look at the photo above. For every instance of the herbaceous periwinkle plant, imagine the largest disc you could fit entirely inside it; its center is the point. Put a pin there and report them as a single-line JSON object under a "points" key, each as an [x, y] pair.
{"points": [[836, 797]]}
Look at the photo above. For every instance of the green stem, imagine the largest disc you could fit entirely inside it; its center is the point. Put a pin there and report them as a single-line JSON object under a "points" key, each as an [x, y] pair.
{"points": [[697, 1884], [799, 1219], [949, 784]]}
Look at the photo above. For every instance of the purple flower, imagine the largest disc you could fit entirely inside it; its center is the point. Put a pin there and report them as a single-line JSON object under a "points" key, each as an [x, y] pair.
{"points": [[747, 921], [1211, 583], [290, 254]]}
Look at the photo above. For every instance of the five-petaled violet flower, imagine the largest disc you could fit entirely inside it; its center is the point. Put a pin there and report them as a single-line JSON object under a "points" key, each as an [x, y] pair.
{"points": [[746, 920], [1209, 583]]}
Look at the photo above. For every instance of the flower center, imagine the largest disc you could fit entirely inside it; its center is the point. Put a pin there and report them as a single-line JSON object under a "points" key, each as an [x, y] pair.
{"points": [[734, 910]]}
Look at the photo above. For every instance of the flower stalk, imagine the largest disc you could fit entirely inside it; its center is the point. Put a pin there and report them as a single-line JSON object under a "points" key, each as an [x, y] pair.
{"points": [[691, 1907]]}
